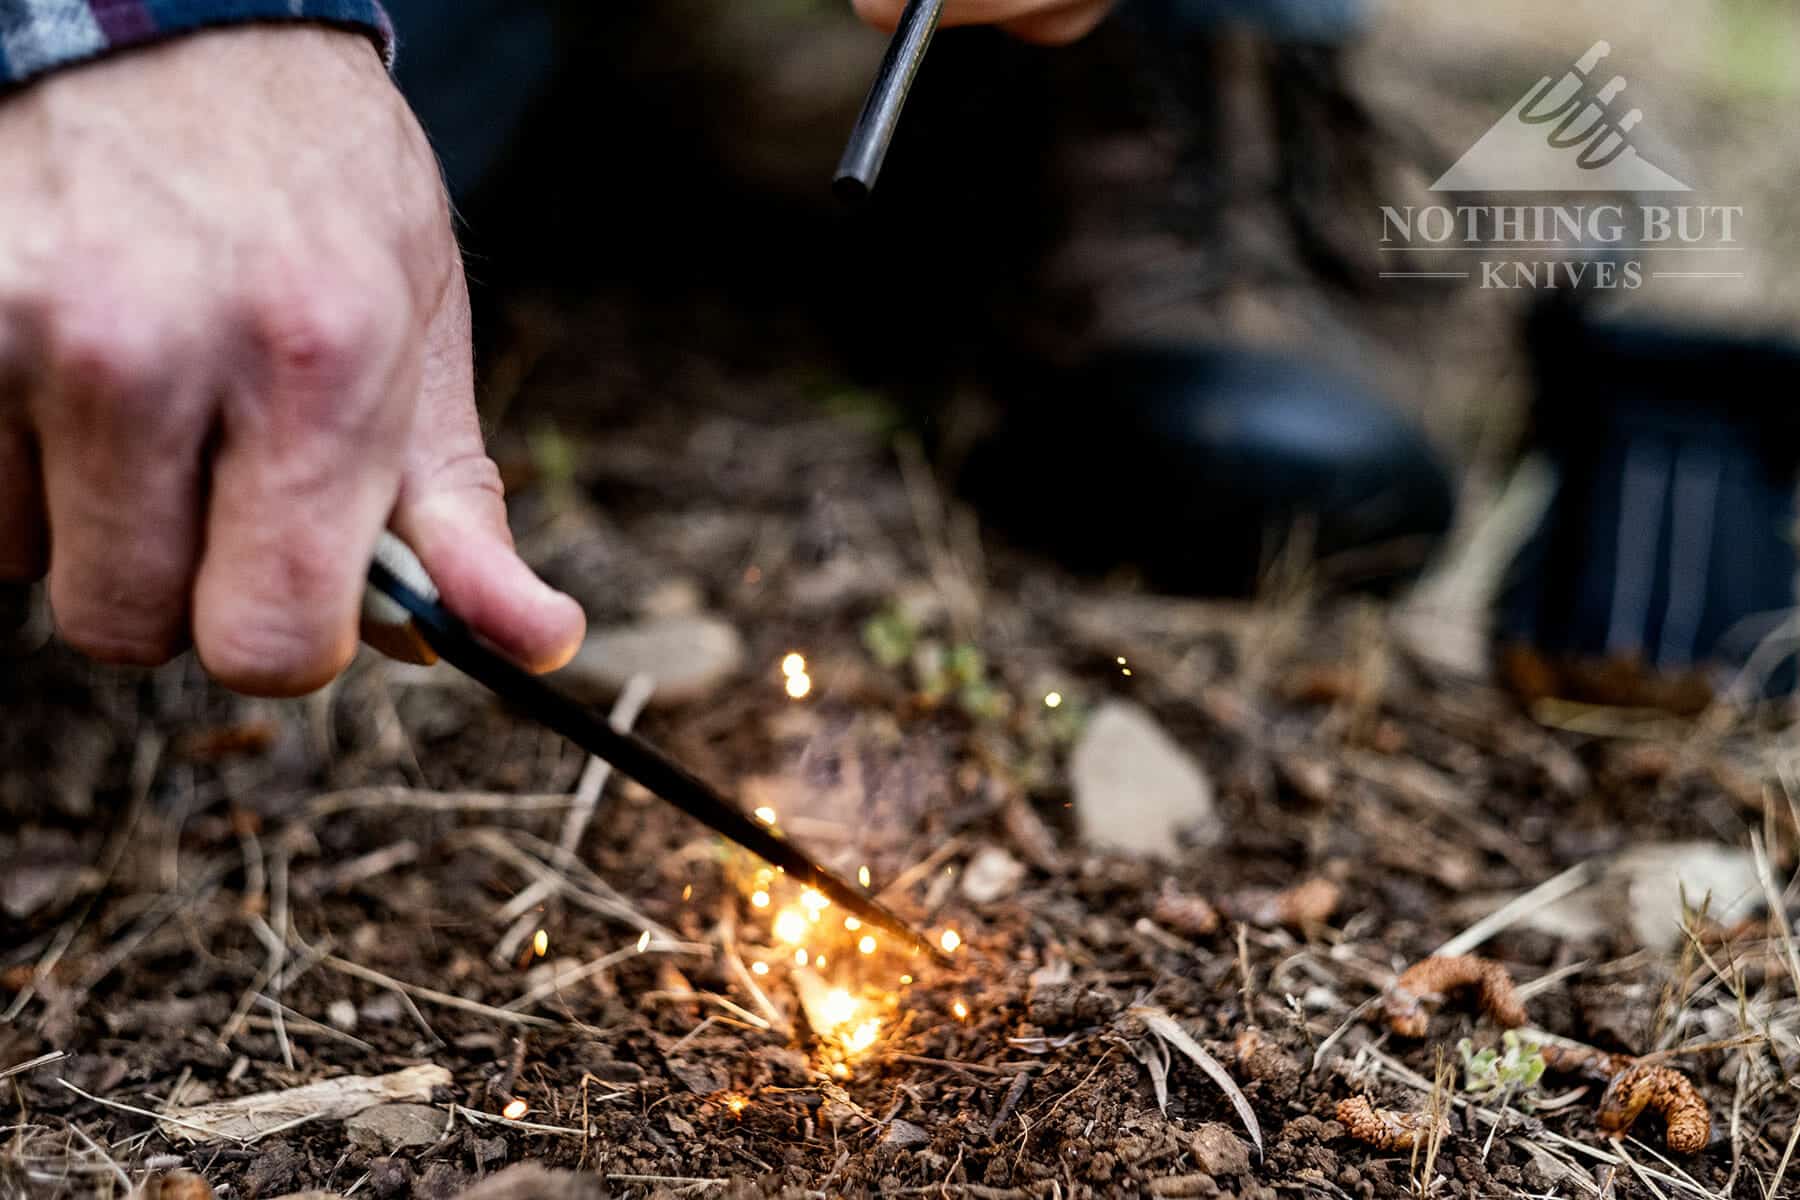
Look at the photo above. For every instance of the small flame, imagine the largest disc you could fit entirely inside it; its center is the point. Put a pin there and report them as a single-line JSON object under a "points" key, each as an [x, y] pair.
{"points": [[862, 874], [766, 815], [790, 927], [799, 686], [515, 1110], [867, 945], [736, 1104], [863, 1036], [760, 899], [950, 941], [961, 1010], [643, 941], [759, 968], [839, 1008], [540, 943]]}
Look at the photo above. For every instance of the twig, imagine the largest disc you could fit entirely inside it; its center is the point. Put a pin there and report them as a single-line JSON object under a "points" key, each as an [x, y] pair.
{"points": [[41, 1060], [1167, 1028], [1516, 910], [575, 975], [433, 996]]}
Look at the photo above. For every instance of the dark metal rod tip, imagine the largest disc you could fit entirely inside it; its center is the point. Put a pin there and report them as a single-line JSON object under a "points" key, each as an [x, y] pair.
{"points": [[874, 131]]}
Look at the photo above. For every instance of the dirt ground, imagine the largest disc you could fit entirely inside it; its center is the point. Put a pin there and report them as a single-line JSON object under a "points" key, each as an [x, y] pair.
{"points": [[209, 897]]}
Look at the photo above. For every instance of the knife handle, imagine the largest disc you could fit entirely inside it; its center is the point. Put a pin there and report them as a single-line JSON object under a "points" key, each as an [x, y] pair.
{"points": [[385, 625]]}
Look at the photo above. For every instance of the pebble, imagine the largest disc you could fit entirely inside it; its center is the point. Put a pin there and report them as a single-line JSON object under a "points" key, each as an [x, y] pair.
{"points": [[1218, 1151], [389, 1127], [1639, 893], [991, 875], [688, 655], [1135, 789], [528, 1181], [905, 1135]]}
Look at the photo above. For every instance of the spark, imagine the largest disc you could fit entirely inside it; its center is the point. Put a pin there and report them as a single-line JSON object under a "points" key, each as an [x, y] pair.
{"points": [[1125, 671], [862, 874], [766, 815], [540, 943], [950, 941], [643, 941], [905, 979], [961, 1010], [867, 945], [794, 664], [819, 961], [687, 893], [1052, 699], [863, 1036], [814, 902], [798, 686], [839, 1008], [800, 957], [790, 927], [515, 1110], [852, 924], [1120, 660], [736, 1104], [759, 968], [760, 899]]}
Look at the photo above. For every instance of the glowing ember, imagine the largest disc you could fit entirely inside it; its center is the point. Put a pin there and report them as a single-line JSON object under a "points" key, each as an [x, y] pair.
{"points": [[759, 968], [961, 1010], [766, 815], [950, 941], [905, 979], [793, 664], [800, 957], [839, 1008], [790, 927], [862, 875], [760, 899], [852, 924], [687, 893], [863, 1036], [643, 941], [736, 1104], [540, 943], [867, 945], [814, 902], [798, 686], [515, 1110]]}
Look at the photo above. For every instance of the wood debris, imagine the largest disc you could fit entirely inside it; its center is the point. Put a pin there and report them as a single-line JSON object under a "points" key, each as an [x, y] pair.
{"points": [[1387, 1128], [1426, 984], [250, 1117]]}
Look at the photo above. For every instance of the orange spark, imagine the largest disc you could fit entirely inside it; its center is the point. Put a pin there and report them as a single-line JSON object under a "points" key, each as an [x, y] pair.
{"points": [[760, 899], [515, 1109], [540, 943], [961, 1010], [867, 945], [950, 941]]}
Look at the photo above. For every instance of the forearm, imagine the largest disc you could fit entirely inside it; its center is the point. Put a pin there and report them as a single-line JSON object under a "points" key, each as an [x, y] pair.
{"points": [[38, 36]]}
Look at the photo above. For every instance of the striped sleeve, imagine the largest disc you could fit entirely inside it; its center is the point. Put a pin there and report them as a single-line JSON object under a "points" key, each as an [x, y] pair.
{"points": [[37, 36]]}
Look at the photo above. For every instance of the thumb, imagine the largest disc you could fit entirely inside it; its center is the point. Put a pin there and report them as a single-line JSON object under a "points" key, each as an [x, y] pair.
{"points": [[452, 510]]}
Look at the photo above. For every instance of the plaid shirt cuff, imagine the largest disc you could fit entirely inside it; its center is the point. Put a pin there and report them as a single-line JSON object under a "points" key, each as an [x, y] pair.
{"points": [[41, 35]]}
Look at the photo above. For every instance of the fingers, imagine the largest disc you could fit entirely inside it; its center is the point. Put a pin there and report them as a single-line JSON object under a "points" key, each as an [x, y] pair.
{"points": [[24, 538], [1047, 22], [453, 514], [311, 441], [120, 430]]}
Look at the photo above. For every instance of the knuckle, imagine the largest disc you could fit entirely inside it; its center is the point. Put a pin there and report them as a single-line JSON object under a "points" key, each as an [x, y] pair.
{"points": [[320, 333], [266, 655], [104, 346]]}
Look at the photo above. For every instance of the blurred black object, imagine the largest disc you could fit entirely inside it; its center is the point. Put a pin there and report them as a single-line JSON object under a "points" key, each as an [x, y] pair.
{"points": [[1667, 552], [1197, 464]]}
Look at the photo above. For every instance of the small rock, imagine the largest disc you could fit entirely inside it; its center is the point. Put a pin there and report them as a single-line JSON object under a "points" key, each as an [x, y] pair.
{"points": [[1135, 789], [390, 1127], [905, 1135], [688, 657], [1069, 1003], [700, 1078], [1218, 1151], [679, 1126], [175, 1185], [383, 1009], [991, 875], [528, 1181], [1639, 893], [341, 1014]]}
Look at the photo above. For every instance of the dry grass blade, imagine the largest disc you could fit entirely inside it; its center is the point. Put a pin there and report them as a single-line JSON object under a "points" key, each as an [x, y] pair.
{"points": [[1516, 910], [42, 1060], [1169, 1030], [249, 1118]]}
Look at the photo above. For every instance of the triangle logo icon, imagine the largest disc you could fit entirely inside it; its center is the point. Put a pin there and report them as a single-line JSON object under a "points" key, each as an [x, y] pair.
{"points": [[1564, 135]]}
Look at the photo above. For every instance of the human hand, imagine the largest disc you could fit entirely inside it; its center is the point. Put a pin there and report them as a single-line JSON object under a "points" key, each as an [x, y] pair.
{"points": [[234, 345], [1048, 22]]}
